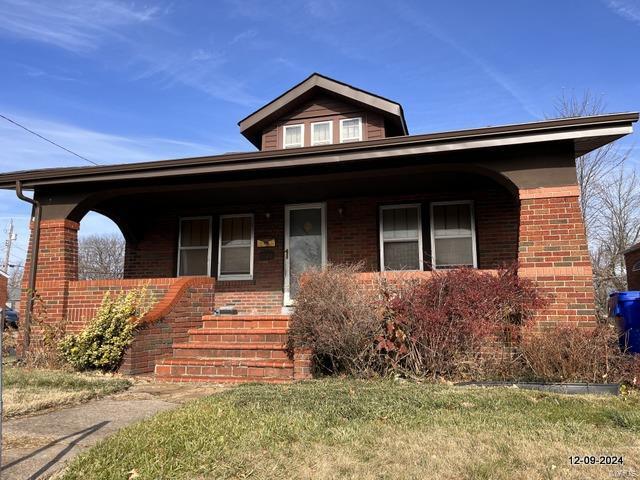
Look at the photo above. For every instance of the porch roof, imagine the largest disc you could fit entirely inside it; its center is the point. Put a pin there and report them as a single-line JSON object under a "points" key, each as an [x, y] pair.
{"points": [[586, 134]]}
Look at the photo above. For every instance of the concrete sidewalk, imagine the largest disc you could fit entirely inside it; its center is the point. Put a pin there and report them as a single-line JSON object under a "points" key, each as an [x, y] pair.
{"points": [[36, 447]]}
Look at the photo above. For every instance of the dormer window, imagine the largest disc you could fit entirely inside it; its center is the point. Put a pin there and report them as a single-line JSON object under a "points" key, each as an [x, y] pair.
{"points": [[322, 133], [293, 136], [350, 130]]}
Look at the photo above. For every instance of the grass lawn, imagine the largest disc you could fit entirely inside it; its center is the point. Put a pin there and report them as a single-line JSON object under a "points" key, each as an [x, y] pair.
{"points": [[28, 391], [372, 429]]}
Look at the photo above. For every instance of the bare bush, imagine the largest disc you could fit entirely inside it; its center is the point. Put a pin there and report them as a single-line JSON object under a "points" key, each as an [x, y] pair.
{"points": [[337, 319], [567, 354]]}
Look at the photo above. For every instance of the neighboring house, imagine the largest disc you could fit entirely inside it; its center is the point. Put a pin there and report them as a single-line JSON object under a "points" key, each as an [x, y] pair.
{"points": [[632, 262], [336, 178], [4, 278]]}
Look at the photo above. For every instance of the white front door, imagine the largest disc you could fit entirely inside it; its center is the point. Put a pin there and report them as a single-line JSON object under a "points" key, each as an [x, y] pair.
{"points": [[305, 243]]}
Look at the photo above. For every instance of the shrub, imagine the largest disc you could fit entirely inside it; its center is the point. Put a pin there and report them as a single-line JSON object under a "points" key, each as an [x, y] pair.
{"points": [[442, 324], [337, 319], [577, 354], [102, 343]]}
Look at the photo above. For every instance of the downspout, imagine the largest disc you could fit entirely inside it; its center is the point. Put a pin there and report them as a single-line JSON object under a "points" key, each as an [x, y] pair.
{"points": [[36, 212]]}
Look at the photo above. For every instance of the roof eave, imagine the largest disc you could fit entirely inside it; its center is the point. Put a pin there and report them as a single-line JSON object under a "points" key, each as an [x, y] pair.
{"points": [[606, 128]]}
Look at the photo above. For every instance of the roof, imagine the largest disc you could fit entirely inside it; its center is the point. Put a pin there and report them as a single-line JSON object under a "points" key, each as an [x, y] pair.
{"points": [[4, 274], [586, 133], [253, 125], [632, 248]]}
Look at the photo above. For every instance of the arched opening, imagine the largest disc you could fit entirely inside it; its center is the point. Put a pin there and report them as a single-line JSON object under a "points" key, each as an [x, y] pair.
{"points": [[101, 248]]}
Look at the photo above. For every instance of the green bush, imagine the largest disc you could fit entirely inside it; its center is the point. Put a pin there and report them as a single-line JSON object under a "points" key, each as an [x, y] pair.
{"points": [[102, 343]]}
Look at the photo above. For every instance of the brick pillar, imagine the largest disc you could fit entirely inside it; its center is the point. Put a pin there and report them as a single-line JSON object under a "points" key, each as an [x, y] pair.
{"points": [[302, 364], [3, 290], [553, 252], [57, 265]]}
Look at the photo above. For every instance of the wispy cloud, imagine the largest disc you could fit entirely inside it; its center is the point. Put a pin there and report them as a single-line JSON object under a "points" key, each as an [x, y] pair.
{"points": [[419, 20], [73, 25], [628, 9], [243, 36], [21, 150]]}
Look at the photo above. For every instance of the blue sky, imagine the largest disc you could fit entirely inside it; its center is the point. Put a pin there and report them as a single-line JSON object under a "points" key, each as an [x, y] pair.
{"points": [[131, 81]]}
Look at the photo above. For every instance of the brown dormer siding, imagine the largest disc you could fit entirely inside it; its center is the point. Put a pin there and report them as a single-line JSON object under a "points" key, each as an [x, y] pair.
{"points": [[319, 110]]}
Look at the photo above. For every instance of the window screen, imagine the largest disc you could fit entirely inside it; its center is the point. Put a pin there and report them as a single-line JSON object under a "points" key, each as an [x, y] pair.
{"points": [[236, 247], [453, 234], [350, 130], [293, 136], [193, 246], [401, 238], [321, 133]]}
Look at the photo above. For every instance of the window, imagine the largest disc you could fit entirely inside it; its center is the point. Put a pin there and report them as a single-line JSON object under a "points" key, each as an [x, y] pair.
{"points": [[453, 235], [400, 237], [350, 130], [293, 136], [194, 246], [235, 247], [636, 267], [322, 133]]}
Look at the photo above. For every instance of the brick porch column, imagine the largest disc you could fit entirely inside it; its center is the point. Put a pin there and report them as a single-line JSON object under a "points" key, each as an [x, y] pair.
{"points": [[57, 265], [553, 252]]}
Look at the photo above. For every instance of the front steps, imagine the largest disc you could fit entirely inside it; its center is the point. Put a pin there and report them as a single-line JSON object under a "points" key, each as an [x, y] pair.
{"points": [[231, 349]]}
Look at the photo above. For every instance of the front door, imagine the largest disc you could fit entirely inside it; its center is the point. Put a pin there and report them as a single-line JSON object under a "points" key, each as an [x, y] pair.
{"points": [[305, 243]]}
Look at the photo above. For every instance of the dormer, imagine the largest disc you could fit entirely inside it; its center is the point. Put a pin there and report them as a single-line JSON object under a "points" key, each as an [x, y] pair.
{"points": [[322, 111]]}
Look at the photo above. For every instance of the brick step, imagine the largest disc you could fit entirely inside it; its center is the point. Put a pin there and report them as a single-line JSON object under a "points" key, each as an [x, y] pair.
{"points": [[273, 351], [228, 362], [245, 321], [226, 368], [189, 379], [238, 335]]}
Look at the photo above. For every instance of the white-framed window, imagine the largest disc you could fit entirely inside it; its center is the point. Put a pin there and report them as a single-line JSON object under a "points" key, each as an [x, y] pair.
{"points": [[322, 133], [400, 237], [194, 246], [350, 130], [293, 136], [453, 234], [235, 247]]}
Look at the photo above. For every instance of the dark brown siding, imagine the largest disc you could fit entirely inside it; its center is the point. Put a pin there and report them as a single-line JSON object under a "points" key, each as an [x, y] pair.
{"points": [[324, 109]]}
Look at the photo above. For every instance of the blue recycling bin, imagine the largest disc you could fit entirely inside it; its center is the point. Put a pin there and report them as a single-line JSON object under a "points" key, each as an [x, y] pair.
{"points": [[624, 307]]}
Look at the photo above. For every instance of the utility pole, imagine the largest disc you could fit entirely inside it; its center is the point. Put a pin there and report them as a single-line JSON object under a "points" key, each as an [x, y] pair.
{"points": [[11, 237]]}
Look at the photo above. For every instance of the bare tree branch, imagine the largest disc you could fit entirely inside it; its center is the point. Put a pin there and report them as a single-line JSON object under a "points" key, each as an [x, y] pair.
{"points": [[101, 257]]}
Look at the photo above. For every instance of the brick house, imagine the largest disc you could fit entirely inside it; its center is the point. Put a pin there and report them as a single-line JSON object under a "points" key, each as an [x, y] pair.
{"points": [[336, 178], [632, 263], [4, 293]]}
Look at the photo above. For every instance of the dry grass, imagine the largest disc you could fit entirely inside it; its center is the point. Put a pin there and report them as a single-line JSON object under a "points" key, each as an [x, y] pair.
{"points": [[27, 391], [373, 429]]}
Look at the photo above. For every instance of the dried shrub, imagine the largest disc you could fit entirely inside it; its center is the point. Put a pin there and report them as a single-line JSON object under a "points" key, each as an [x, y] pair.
{"points": [[577, 354], [337, 319], [45, 337], [442, 326]]}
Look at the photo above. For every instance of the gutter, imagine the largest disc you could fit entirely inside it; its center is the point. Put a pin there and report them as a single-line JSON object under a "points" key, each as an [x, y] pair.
{"points": [[36, 213]]}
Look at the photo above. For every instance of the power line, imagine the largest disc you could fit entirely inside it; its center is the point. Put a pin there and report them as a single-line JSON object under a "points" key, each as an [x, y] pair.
{"points": [[47, 140]]}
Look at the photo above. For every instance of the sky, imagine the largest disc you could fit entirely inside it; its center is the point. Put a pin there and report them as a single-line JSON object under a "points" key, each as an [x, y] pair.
{"points": [[124, 81]]}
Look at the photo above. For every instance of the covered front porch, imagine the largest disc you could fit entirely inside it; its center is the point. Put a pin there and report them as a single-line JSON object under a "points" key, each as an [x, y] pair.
{"points": [[242, 239]]}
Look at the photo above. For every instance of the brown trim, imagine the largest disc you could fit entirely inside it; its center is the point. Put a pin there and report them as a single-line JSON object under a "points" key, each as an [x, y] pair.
{"points": [[631, 249], [610, 126]]}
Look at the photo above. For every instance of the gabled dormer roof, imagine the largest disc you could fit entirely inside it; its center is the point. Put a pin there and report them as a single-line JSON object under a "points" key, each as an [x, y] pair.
{"points": [[253, 125]]}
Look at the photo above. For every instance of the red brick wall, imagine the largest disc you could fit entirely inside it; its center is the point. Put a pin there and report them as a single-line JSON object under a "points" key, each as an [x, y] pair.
{"points": [[553, 252], [155, 254], [633, 278], [154, 339]]}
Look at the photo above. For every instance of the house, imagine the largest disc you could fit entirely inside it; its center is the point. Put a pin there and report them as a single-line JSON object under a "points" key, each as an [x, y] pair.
{"points": [[4, 288], [336, 178], [632, 263]]}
